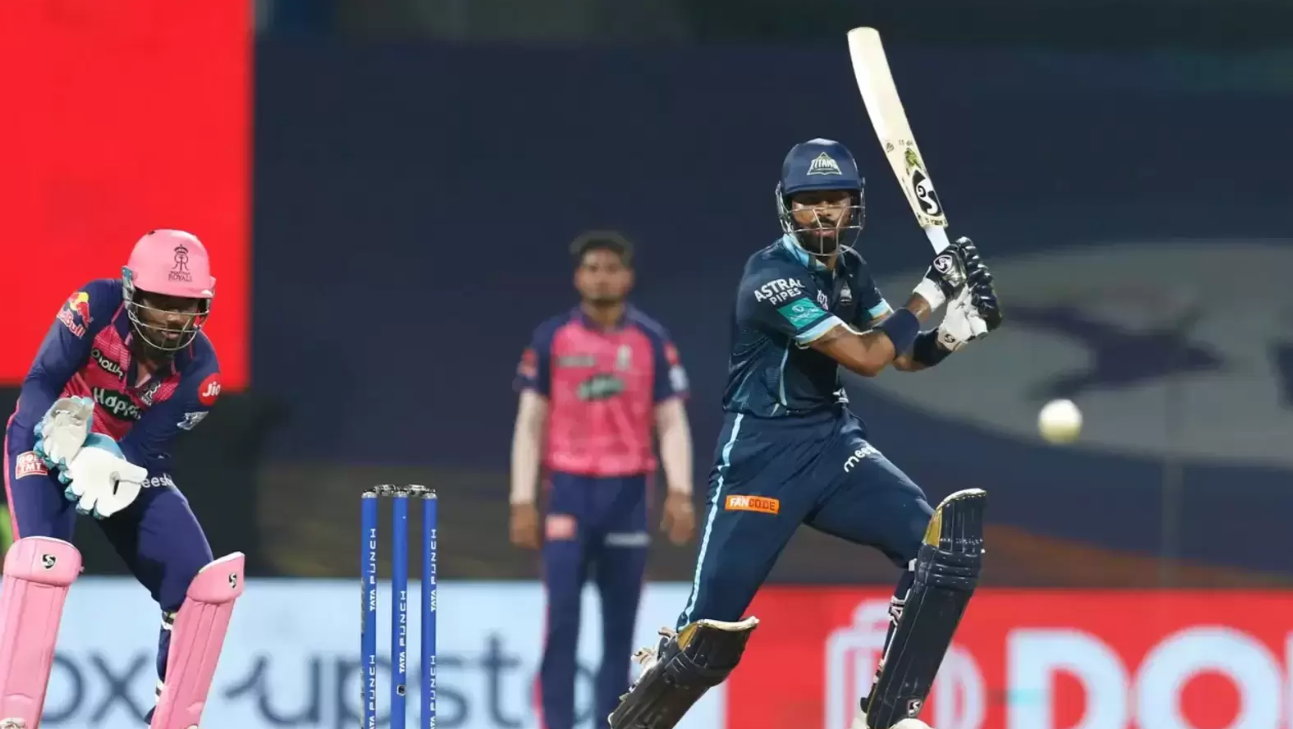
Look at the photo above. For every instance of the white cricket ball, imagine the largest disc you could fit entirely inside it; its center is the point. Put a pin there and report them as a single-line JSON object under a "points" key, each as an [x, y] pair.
{"points": [[1060, 421]]}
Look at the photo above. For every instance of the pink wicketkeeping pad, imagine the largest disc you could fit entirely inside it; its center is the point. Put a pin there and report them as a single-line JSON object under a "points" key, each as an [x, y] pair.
{"points": [[38, 571], [199, 632]]}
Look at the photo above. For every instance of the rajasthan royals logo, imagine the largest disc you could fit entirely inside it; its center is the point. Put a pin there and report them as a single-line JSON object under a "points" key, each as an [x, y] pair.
{"points": [[180, 271]]}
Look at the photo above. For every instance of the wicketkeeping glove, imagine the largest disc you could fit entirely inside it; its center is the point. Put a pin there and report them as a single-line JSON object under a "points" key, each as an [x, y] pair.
{"points": [[100, 479], [63, 429]]}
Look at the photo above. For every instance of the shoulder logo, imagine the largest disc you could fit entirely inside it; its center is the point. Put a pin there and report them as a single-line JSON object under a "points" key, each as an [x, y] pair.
{"points": [[528, 367], [29, 464], [801, 313], [75, 314], [209, 389]]}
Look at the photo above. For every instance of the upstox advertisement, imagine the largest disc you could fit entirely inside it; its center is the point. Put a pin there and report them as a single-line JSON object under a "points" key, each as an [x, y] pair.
{"points": [[291, 658], [1031, 659]]}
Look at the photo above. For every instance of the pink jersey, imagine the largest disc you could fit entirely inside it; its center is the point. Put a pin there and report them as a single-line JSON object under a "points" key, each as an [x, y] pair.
{"points": [[602, 387], [87, 354], [116, 408]]}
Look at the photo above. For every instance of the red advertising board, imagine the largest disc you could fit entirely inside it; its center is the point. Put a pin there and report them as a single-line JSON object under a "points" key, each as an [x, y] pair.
{"points": [[120, 117], [1031, 660]]}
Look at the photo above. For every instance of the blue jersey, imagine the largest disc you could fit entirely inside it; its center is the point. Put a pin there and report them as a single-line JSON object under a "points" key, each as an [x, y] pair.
{"points": [[785, 301]]}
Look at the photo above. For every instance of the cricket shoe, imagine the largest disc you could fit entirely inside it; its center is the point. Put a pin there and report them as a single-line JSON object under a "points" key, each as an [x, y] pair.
{"points": [[859, 722], [648, 657]]}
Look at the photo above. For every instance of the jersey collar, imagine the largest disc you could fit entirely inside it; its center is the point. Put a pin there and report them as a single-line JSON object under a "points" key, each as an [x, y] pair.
{"points": [[578, 314], [799, 254]]}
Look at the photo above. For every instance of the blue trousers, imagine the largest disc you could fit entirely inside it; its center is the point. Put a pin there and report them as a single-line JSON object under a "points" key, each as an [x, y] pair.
{"points": [[596, 525], [772, 474], [157, 536]]}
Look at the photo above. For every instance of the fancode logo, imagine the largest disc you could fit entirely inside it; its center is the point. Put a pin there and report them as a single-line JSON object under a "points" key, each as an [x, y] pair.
{"points": [[758, 504], [117, 404]]}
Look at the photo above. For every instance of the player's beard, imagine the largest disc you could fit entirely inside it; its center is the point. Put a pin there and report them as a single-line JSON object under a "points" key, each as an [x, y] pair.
{"points": [[604, 301], [148, 352], [817, 244]]}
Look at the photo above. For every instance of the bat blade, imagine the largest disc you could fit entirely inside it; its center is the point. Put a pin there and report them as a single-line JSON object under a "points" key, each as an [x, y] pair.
{"points": [[884, 107]]}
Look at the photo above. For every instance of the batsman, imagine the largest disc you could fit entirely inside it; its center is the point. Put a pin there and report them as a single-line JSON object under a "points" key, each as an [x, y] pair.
{"points": [[791, 452]]}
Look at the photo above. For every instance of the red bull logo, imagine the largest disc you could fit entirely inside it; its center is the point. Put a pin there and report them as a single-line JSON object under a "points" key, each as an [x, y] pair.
{"points": [[80, 303], [75, 314]]}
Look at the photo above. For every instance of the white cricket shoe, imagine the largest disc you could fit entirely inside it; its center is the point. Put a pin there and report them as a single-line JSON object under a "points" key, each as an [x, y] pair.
{"points": [[648, 657]]}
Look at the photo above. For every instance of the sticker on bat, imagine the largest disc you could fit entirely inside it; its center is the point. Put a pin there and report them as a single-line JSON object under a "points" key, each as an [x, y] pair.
{"points": [[921, 187]]}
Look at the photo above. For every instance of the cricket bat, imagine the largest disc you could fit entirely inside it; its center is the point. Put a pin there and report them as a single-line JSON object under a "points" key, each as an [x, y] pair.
{"points": [[880, 95]]}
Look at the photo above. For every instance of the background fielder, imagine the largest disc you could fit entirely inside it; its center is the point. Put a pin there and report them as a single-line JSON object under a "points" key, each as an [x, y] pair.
{"points": [[596, 383]]}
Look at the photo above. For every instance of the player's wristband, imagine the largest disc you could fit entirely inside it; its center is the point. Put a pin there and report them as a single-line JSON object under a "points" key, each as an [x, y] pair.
{"points": [[901, 327], [926, 350]]}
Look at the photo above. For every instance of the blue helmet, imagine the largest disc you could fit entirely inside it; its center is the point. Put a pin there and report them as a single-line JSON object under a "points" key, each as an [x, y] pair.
{"points": [[821, 165]]}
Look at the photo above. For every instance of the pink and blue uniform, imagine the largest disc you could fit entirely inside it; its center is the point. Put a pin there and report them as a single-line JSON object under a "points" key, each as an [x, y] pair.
{"points": [[87, 354], [602, 386]]}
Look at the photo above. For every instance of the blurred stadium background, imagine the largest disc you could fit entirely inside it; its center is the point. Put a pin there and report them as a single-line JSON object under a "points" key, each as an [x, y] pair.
{"points": [[388, 186]]}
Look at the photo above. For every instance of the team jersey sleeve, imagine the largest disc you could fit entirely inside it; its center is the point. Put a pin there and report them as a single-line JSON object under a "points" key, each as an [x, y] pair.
{"points": [[784, 302], [65, 350], [535, 369], [872, 306], [670, 377], [148, 442]]}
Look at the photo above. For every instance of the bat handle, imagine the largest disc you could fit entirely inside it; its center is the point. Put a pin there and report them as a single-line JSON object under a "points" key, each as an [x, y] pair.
{"points": [[937, 235]]}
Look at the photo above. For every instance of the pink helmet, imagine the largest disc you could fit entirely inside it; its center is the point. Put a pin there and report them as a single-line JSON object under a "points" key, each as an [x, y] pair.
{"points": [[168, 263], [171, 263]]}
